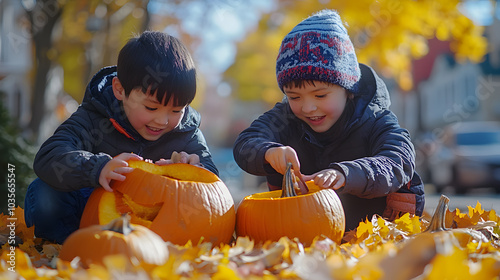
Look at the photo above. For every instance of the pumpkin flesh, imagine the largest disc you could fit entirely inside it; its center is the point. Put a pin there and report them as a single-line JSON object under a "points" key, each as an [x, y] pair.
{"points": [[180, 202]]}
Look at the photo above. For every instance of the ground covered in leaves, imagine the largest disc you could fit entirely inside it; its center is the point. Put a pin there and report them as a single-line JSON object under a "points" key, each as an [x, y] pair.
{"points": [[377, 249]]}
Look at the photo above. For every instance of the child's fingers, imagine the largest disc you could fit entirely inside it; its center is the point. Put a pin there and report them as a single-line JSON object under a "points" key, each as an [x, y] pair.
{"points": [[127, 156], [308, 177], [176, 157], [181, 157], [116, 176], [329, 180], [107, 188], [296, 171], [134, 156], [302, 184], [339, 183], [193, 159], [324, 179], [116, 163], [319, 180], [291, 156], [184, 157], [105, 185], [123, 170], [164, 162], [279, 164], [278, 157]]}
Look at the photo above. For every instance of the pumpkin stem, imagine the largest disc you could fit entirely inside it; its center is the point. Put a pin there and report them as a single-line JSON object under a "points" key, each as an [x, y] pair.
{"points": [[287, 186], [121, 225], [439, 218]]}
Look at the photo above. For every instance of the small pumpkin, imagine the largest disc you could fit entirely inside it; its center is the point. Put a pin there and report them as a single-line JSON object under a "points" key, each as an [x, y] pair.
{"points": [[180, 202], [92, 244], [272, 215]]}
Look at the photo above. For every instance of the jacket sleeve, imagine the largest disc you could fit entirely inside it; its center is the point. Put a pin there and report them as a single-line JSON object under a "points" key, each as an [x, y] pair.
{"points": [[265, 132], [198, 145], [391, 166], [64, 161]]}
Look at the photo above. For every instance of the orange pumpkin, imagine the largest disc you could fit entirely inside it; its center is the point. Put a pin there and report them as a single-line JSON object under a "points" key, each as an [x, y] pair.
{"points": [[269, 216], [134, 242], [180, 202]]}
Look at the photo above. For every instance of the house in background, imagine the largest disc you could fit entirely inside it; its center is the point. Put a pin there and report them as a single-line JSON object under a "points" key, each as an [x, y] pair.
{"points": [[447, 92], [15, 60]]}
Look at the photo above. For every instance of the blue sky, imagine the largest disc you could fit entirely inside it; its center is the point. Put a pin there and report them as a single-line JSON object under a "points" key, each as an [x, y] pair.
{"points": [[220, 24], [482, 12]]}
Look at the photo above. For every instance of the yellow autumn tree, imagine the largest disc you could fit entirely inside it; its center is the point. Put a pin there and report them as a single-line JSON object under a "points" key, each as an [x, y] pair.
{"points": [[92, 33], [387, 34]]}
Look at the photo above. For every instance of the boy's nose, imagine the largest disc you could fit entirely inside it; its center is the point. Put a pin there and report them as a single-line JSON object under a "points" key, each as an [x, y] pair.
{"points": [[163, 120], [309, 107]]}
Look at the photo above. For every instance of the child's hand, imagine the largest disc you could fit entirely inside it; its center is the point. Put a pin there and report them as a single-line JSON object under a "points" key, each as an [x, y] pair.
{"points": [[328, 178], [278, 157], [115, 168], [181, 157]]}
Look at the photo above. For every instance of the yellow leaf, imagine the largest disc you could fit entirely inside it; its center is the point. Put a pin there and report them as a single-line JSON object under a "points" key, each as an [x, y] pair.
{"points": [[28, 247], [367, 267], [116, 262], [97, 272], [165, 271], [364, 229], [492, 216], [383, 229], [23, 265], [407, 224], [475, 210], [225, 273]]}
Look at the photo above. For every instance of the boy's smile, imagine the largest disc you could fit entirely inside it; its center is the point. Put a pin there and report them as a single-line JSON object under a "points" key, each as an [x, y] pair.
{"points": [[316, 120], [318, 104]]}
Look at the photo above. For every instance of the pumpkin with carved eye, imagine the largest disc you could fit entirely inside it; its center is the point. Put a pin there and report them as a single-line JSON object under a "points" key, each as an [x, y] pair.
{"points": [[180, 202]]}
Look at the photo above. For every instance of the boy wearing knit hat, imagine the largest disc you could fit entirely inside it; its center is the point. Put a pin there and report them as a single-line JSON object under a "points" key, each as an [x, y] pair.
{"points": [[334, 125]]}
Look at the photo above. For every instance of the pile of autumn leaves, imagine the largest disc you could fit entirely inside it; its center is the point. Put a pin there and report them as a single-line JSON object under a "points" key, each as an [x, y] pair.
{"points": [[377, 249]]}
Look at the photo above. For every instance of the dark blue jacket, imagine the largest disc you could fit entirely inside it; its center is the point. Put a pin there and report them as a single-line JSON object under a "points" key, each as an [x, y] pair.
{"points": [[367, 145], [74, 156]]}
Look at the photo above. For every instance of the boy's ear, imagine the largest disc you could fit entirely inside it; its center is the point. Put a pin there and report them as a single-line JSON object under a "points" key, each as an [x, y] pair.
{"points": [[118, 89]]}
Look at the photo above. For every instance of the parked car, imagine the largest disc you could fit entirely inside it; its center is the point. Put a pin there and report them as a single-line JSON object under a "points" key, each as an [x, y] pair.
{"points": [[468, 157]]}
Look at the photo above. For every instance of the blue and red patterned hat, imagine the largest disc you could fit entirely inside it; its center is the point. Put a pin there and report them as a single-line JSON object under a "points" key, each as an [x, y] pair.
{"points": [[318, 49]]}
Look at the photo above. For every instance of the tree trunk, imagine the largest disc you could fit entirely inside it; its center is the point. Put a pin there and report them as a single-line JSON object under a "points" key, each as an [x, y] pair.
{"points": [[43, 18]]}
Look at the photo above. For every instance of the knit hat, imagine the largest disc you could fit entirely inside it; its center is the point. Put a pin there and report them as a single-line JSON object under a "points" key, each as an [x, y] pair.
{"points": [[318, 49]]}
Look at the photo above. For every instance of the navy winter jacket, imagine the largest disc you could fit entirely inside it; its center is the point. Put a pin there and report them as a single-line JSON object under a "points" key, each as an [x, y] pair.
{"points": [[74, 156], [367, 145]]}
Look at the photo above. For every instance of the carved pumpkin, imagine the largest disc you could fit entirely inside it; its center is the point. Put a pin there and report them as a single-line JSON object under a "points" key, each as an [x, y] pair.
{"points": [[92, 244], [269, 215], [180, 202]]}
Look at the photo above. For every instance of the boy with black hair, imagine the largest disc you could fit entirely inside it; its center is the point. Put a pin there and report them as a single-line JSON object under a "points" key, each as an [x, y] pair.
{"points": [[335, 125], [136, 109]]}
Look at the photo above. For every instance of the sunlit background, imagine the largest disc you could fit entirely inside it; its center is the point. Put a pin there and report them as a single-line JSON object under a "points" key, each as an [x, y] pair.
{"points": [[440, 60]]}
